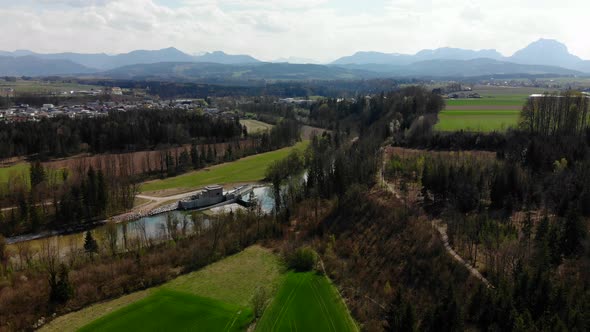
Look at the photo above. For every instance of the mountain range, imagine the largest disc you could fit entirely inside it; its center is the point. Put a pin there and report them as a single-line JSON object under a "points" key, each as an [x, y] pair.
{"points": [[541, 57], [546, 52], [102, 62]]}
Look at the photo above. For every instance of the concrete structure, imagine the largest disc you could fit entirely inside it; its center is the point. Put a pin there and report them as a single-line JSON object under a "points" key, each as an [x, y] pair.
{"points": [[211, 195]]}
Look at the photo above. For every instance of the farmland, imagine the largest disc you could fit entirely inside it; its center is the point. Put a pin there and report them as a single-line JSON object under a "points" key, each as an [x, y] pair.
{"points": [[497, 110], [37, 86], [255, 126], [228, 285], [306, 302], [249, 169], [168, 310], [218, 298]]}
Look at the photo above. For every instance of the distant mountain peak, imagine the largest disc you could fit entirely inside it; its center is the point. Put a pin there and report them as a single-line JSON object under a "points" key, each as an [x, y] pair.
{"points": [[546, 52]]}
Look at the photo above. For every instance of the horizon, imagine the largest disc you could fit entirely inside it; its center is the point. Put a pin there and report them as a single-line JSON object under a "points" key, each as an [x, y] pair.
{"points": [[321, 30], [292, 57]]}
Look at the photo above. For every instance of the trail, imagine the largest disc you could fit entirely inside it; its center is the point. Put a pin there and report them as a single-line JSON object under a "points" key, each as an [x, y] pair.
{"points": [[442, 230], [437, 224]]}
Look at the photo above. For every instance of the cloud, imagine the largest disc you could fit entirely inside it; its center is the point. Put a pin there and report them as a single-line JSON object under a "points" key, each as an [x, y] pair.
{"points": [[320, 29]]}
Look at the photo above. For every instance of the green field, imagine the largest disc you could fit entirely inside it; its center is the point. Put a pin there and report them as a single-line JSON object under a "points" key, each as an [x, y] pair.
{"points": [[249, 169], [229, 283], [255, 126], [174, 311], [475, 120], [500, 101], [306, 302], [36, 86], [20, 169], [497, 110]]}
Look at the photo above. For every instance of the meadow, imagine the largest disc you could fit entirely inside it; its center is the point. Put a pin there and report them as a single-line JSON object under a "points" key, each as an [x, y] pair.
{"points": [[249, 169], [306, 302], [19, 169], [227, 286], [255, 126], [37, 86], [497, 110], [174, 311], [477, 120], [218, 298]]}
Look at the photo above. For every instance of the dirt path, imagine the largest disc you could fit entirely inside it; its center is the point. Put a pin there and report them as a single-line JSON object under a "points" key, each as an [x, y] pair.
{"points": [[442, 230], [437, 224]]}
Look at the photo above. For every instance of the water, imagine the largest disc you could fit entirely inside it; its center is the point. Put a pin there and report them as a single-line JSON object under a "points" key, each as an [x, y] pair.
{"points": [[144, 229]]}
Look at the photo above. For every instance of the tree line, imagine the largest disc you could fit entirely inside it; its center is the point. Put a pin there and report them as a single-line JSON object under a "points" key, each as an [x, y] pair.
{"points": [[134, 130]]}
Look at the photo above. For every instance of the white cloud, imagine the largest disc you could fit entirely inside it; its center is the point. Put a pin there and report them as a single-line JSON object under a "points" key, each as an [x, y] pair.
{"points": [[319, 29]]}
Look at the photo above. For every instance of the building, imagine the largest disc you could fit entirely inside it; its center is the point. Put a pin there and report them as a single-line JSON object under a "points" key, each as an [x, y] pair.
{"points": [[6, 92], [211, 195]]}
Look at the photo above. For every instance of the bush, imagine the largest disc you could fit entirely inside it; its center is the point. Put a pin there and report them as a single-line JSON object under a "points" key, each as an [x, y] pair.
{"points": [[302, 259]]}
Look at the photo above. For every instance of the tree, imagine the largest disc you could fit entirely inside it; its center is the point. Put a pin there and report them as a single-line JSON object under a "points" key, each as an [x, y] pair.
{"points": [[574, 233], [194, 152], [90, 245], [401, 315], [60, 288], [36, 174], [3, 256]]}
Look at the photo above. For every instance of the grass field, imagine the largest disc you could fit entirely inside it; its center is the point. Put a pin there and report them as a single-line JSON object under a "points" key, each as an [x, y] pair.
{"points": [[249, 169], [255, 126], [14, 170], [497, 110], [167, 310], [306, 302], [233, 280], [35, 86], [474, 120]]}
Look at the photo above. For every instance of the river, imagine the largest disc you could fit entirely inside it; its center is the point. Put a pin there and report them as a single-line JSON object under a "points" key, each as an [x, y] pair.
{"points": [[146, 228]]}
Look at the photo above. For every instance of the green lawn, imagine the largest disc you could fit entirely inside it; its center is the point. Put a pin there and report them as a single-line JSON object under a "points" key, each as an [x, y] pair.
{"points": [[14, 170], [255, 126], [249, 169], [306, 302], [475, 120], [167, 310]]}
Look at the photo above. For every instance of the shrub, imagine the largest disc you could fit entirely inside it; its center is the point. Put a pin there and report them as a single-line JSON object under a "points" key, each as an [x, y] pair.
{"points": [[302, 259]]}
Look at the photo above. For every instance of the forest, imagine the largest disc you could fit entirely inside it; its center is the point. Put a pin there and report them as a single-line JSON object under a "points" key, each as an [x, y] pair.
{"points": [[117, 132]]}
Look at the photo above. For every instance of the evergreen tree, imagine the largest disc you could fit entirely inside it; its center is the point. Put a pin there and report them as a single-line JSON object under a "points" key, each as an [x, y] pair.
{"points": [[574, 233], [36, 174], [194, 156], [90, 245], [101, 193], [60, 288]]}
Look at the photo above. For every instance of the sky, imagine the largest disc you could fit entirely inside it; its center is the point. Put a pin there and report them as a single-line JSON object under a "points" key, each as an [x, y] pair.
{"points": [[322, 30]]}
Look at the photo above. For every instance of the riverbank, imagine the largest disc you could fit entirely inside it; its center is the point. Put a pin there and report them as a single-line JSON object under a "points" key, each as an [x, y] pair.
{"points": [[153, 208]]}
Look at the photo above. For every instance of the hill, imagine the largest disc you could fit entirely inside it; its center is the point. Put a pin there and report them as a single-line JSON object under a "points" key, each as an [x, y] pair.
{"points": [[33, 66], [236, 72], [102, 61], [460, 68], [398, 59]]}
